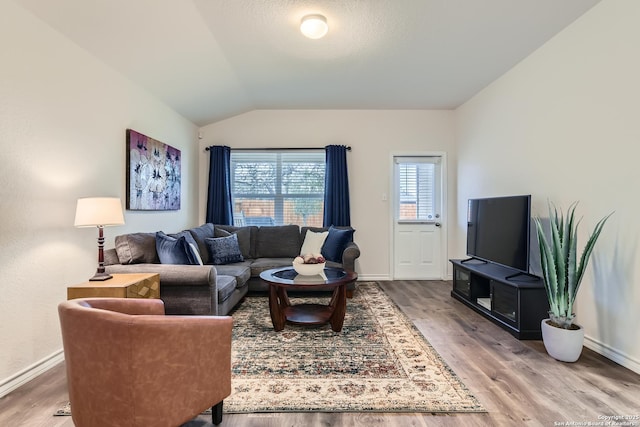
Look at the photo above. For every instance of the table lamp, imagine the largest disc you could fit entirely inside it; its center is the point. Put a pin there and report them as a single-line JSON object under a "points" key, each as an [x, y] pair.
{"points": [[99, 212]]}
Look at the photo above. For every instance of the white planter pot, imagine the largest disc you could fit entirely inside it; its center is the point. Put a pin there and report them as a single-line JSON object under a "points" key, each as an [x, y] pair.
{"points": [[562, 344]]}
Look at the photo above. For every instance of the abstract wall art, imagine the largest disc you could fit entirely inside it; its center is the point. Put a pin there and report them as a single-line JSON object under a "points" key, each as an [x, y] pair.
{"points": [[153, 174]]}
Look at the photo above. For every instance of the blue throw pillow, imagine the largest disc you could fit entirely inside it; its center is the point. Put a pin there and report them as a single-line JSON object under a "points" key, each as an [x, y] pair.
{"points": [[188, 237], [337, 240], [193, 245], [173, 250], [224, 250]]}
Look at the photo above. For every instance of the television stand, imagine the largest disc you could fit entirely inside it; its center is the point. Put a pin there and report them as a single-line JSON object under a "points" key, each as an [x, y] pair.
{"points": [[497, 293], [477, 261], [522, 273]]}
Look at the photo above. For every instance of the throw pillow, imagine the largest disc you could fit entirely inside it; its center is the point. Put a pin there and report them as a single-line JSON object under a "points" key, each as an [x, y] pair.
{"points": [[224, 250], [199, 234], [336, 242], [196, 254], [219, 232], [136, 248], [193, 245], [174, 251], [313, 242], [244, 234]]}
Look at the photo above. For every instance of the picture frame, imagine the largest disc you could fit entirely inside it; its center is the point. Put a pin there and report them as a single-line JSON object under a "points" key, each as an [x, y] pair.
{"points": [[153, 174]]}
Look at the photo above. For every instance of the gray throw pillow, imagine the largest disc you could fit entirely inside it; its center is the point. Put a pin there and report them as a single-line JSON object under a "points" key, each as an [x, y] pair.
{"points": [[137, 248], [224, 250]]}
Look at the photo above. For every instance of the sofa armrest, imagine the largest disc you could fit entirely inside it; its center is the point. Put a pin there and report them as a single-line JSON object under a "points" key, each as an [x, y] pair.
{"points": [[172, 274], [351, 252]]}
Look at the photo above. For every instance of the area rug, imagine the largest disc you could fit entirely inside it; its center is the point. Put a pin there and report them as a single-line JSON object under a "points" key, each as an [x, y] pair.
{"points": [[379, 362]]}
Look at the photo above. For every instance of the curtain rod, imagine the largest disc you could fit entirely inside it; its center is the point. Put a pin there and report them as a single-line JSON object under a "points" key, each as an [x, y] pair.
{"points": [[277, 149]]}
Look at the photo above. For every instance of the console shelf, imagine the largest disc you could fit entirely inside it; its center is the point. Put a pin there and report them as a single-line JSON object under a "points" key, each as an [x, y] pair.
{"points": [[517, 303]]}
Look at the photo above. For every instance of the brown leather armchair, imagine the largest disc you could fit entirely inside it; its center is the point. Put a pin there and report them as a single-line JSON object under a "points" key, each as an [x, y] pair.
{"points": [[130, 365]]}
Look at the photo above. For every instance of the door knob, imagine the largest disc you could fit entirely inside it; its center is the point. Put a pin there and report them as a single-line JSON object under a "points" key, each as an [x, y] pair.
{"points": [[437, 224]]}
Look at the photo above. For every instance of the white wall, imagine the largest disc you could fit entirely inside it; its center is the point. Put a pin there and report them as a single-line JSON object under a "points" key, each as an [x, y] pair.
{"points": [[373, 136], [63, 117], [564, 125]]}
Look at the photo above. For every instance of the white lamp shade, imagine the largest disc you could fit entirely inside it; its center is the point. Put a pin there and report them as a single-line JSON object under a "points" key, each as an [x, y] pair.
{"points": [[314, 26], [99, 211]]}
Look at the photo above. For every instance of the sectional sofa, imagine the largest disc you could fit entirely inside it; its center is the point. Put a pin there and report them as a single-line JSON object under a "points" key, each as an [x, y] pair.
{"points": [[208, 269]]}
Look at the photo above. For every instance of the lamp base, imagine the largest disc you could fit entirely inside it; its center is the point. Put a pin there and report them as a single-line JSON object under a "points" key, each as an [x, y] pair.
{"points": [[99, 277]]}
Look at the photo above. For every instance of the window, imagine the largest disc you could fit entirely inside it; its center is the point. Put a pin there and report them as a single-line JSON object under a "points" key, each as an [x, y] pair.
{"points": [[416, 184], [278, 187]]}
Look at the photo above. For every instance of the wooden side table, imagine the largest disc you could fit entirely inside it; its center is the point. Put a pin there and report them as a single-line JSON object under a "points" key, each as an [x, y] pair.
{"points": [[136, 285]]}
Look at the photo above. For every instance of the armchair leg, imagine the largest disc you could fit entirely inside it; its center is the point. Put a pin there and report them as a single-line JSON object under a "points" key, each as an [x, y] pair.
{"points": [[216, 413]]}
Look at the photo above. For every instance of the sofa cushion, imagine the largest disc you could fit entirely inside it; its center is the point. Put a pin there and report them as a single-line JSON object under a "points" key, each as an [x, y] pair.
{"points": [[335, 243], [313, 242], [224, 250], [280, 241], [245, 238], [239, 270], [199, 234], [226, 286], [261, 264], [137, 248], [173, 250]]}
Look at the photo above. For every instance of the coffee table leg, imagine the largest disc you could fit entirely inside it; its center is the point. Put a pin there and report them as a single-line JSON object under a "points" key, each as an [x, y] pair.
{"points": [[283, 297], [276, 311], [339, 304]]}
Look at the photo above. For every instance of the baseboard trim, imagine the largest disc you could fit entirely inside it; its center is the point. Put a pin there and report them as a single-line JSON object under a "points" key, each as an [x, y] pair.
{"points": [[29, 373], [610, 353], [373, 277]]}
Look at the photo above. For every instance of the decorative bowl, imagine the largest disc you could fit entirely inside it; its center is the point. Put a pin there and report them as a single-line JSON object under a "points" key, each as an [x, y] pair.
{"points": [[308, 269]]}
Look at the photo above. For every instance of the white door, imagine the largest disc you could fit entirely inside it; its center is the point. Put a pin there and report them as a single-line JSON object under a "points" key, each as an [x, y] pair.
{"points": [[417, 222]]}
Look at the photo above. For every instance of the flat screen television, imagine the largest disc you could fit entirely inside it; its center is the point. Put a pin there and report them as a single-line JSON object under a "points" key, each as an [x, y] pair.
{"points": [[498, 230]]}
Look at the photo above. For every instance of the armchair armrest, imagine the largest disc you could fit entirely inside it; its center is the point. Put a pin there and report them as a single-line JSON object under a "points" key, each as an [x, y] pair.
{"points": [[141, 306]]}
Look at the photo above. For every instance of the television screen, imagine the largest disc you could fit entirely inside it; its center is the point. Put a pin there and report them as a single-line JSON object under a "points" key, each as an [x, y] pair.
{"points": [[498, 230]]}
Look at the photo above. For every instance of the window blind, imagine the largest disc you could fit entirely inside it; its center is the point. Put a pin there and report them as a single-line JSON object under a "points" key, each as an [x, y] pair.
{"points": [[416, 186]]}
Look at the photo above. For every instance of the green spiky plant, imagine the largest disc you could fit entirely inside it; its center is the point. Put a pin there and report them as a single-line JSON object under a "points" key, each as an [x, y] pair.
{"points": [[562, 274]]}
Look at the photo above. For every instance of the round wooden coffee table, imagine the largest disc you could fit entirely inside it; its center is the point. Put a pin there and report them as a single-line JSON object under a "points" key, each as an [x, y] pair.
{"points": [[281, 280]]}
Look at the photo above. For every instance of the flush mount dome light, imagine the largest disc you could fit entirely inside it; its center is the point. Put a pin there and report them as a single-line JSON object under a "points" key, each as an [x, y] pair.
{"points": [[314, 26]]}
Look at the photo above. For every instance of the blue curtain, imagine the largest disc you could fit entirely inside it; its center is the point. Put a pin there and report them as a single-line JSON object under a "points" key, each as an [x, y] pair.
{"points": [[336, 187], [219, 209]]}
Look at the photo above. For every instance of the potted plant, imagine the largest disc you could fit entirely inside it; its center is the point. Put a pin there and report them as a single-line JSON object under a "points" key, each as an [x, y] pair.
{"points": [[562, 274]]}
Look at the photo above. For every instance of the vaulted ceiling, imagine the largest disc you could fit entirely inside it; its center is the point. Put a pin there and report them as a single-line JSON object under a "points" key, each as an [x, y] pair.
{"points": [[212, 59]]}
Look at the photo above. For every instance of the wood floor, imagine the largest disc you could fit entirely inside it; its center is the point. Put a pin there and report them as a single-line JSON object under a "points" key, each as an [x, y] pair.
{"points": [[516, 381]]}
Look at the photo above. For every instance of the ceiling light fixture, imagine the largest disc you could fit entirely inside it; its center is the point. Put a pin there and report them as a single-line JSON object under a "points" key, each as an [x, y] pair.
{"points": [[314, 26]]}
